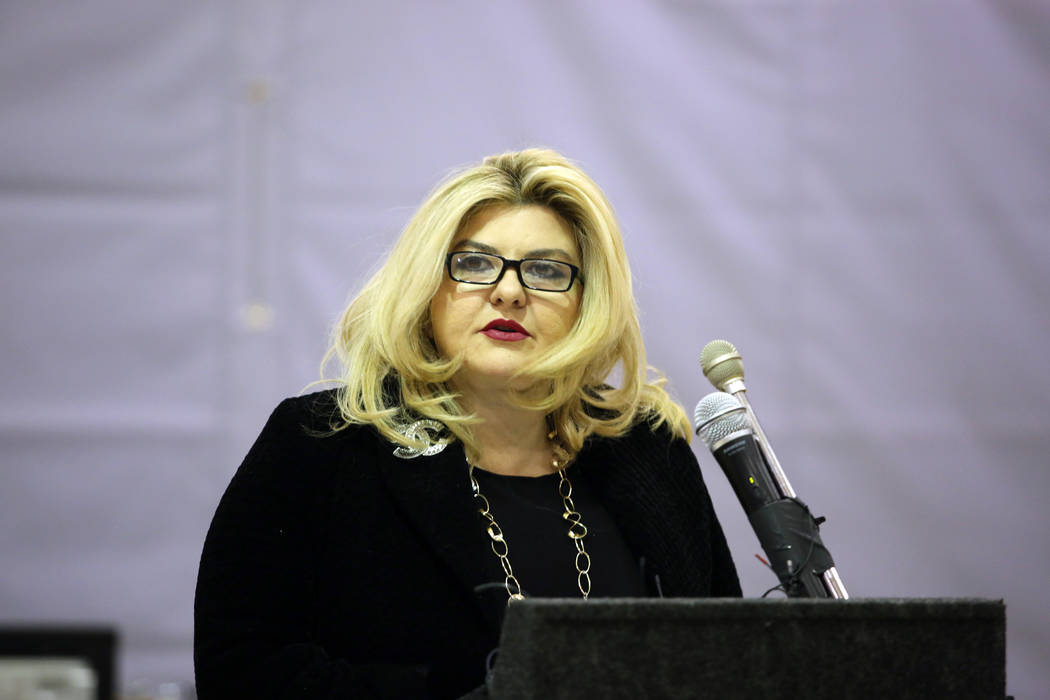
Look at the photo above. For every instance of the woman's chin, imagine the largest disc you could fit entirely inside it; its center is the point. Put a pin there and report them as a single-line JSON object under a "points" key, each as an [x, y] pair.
{"points": [[493, 378]]}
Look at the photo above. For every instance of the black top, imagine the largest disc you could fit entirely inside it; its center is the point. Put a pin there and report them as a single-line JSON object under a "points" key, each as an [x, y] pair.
{"points": [[333, 569], [530, 512]]}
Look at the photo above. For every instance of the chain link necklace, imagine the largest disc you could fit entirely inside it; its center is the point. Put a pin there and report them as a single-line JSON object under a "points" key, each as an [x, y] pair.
{"points": [[577, 531]]}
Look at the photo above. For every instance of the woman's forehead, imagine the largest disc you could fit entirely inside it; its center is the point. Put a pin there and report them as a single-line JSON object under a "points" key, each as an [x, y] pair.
{"points": [[509, 230]]}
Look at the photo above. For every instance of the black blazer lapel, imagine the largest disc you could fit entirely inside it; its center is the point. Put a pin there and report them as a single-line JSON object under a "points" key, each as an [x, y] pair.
{"points": [[626, 476], [434, 495]]}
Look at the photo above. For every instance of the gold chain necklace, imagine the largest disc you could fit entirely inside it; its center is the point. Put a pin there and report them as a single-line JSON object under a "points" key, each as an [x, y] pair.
{"points": [[577, 531]]}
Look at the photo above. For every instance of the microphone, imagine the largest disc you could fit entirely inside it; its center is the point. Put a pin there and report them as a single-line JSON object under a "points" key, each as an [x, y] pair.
{"points": [[723, 425], [723, 366], [785, 528]]}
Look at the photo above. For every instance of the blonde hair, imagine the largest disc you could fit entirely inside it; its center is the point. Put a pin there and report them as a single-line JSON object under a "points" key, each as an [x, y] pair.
{"points": [[392, 374]]}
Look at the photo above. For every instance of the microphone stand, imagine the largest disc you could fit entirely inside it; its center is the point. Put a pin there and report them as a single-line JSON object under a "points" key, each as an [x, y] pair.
{"points": [[832, 586]]}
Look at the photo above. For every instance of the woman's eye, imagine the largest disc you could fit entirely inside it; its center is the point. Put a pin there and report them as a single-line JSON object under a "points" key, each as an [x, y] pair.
{"points": [[545, 269], [474, 263]]}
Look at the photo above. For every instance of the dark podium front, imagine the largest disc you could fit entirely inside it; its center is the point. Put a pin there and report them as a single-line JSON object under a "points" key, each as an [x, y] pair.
{"points": [[732, 648]]}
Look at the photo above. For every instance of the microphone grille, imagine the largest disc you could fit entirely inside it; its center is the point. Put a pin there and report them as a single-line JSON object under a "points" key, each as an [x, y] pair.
{"points": [[721, 362], [718, 414]]}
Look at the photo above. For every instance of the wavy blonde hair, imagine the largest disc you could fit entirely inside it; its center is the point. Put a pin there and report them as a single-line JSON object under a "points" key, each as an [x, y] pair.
{"points": [[391, 372]]}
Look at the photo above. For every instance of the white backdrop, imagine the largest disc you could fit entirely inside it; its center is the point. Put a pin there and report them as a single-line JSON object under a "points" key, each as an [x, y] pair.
{"points": [[856, 194]]}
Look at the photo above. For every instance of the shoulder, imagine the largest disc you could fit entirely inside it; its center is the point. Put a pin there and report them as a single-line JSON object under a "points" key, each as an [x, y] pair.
{"points": [[313, 412], [647, 430], [302, 438], [646, 442], [303, 419]]}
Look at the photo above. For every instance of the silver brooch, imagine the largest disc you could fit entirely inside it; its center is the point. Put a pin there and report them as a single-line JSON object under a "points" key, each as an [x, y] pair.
{"points": [[425, 430]]}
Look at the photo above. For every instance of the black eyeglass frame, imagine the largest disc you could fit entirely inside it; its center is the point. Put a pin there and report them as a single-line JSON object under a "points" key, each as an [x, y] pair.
{"points": [[516, 264]]}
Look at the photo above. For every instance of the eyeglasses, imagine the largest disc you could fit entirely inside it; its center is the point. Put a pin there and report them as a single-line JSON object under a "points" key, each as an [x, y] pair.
{"points": [[533, 273]]}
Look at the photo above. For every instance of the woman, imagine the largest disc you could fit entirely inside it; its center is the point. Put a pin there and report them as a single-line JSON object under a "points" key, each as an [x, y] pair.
{"points": [[472, 454]]}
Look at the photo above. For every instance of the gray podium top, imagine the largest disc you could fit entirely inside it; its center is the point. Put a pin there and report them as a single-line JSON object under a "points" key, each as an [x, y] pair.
{"points": [[746, 648]]}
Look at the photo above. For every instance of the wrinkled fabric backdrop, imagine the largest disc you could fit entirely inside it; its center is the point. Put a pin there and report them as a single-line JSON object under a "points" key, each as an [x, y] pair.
{"points": [[856, 194]]}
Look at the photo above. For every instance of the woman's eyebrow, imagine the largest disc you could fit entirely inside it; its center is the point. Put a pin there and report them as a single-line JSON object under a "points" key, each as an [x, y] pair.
{"points": [[549, 253], [480, 247], [538, 253]]}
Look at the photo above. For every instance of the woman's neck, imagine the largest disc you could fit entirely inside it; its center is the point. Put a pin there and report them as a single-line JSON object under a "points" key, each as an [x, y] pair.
{"points": [[510, 440]]}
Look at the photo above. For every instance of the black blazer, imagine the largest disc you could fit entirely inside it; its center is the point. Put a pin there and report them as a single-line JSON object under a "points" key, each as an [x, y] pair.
{"points": [[334, 569]]}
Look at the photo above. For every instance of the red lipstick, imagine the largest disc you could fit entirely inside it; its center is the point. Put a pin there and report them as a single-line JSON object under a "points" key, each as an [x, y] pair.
{"points": [[505, 329]]}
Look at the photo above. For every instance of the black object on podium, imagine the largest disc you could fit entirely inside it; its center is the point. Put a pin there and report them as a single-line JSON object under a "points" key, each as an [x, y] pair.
{"points": [[733, 648]]}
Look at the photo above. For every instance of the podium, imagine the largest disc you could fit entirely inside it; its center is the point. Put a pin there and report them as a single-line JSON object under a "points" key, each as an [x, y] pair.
{"points": [[735, 648]]}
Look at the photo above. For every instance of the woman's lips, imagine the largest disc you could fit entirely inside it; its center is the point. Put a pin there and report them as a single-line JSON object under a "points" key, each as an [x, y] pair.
{"points": [[505, 329]]}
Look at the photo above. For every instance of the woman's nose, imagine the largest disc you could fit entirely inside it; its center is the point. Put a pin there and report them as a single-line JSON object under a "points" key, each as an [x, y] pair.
{"points": [[508, 289]]}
